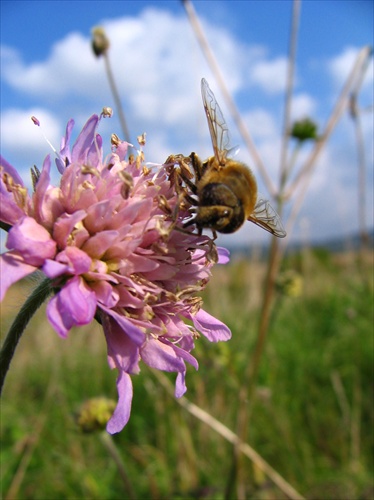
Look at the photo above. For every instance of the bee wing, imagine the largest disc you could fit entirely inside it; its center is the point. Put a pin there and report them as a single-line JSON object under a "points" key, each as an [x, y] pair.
{"points": [[218, 129], [266, 217]]}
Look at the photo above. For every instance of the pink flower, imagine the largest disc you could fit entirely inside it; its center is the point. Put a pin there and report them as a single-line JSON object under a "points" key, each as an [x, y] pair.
{"points": [[110, 238]]}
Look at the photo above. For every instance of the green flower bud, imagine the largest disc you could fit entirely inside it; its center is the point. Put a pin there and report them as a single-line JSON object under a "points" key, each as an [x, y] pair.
{"points": [[304, 130], [95, 413]]}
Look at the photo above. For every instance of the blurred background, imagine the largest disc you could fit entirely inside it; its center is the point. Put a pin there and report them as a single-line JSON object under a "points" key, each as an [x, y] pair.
{"points": [[301, 313]]}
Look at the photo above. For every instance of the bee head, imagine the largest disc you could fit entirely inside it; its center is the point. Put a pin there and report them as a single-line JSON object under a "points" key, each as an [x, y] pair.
{"points": [[219, 209]]}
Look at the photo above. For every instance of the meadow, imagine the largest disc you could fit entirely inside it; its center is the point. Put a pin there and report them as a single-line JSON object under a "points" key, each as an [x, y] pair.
{"points": [[311, 417]]}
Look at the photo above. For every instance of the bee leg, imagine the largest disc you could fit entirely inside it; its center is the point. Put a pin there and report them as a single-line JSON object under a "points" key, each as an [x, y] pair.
{"points": [[197, 166], [190, 184], [182, 191], [190, 200]]}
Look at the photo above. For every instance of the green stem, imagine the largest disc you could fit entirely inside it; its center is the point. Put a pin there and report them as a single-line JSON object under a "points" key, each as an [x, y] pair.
{"points": [[109, 444], [6, 227], [33, 302]]}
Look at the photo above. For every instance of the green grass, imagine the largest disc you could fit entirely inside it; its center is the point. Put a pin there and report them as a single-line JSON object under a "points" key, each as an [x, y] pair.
{"points": [[312, 419]]}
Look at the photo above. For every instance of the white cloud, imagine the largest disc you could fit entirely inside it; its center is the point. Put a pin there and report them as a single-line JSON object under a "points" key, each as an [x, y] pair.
{"points": [[270, 75], [70, 67], [18, 132], [303, 105], [261, 124], [156, 61], [269, 150], [340, 67], [157, 65]]}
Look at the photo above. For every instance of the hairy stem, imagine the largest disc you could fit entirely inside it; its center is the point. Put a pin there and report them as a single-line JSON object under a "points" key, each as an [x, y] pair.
{"points": [[34, 301]]}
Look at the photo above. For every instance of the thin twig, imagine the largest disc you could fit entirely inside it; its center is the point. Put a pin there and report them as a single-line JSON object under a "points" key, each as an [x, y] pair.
{"points": [[116, 97], [335, 116], [32, 442], [289, 92], [109, 444], [231, 437], [361, 172], [208, 53], [355, 114], [341, 396], [247, 389], [303, 178], [356, 424]]}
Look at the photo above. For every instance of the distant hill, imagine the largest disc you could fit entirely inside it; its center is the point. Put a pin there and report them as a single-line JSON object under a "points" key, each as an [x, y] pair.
{"points": [[335, 245]]}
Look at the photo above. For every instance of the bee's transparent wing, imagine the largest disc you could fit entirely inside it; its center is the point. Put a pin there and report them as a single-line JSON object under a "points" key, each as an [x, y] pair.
{"points": [[218, 129], [266, 217]]}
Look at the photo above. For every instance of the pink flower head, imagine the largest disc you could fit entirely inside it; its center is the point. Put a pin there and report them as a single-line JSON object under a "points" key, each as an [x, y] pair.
{"points": [[111, 239]]}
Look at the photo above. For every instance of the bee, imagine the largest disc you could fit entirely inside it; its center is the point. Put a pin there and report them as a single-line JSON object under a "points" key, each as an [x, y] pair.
{"points": [[226, 189]]}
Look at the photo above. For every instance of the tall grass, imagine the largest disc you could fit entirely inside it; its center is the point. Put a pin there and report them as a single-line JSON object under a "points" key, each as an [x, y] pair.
{"points": [[312, 417]]}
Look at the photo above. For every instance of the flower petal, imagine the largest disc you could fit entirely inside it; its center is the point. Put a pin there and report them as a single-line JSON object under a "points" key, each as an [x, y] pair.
{"points": [[84, 140], [161, 356], [97, 245], [9, 169], [77, 260], [64, 226], [127, 326], [53, 269], [105, 293], [122, 412], [12, 269], [213, 329], [123, 353], [180, 384], [32, 241], [182, 353], [10, 212], [223, 255], [41, 189], [75, 304], [65, 148]]}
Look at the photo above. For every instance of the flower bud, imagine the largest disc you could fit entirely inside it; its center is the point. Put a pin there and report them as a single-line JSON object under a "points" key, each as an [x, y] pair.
{"points": [[100, 42], [95, 413], [290, 283], [303, 130], [107, 112]]}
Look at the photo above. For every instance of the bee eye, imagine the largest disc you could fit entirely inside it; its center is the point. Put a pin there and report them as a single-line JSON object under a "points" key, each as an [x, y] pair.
{"points": [[221, 223]]}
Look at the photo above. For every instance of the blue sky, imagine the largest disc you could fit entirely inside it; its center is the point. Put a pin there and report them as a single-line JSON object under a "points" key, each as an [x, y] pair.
{"points": [[48, 70]]}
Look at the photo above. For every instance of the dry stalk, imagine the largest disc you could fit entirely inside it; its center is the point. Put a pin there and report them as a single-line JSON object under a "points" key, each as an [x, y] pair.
{"points": [[108, 442], [208, 53], [302, 178], [301, 182], [355, 115], [116, 97], [340, 107], [284, 170], [355, 430], [341, 397], [32, 442], [247, 390], [231, 437]]}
